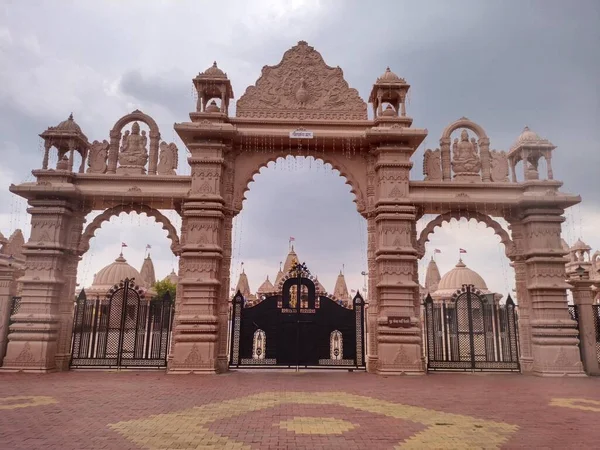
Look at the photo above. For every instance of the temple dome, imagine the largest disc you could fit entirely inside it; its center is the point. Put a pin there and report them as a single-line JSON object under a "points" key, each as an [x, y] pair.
{"points": [[214, 72], [112, 274], [212, 107], [530, 138], [457, 277], [69, 125], [266, 288], [172, 277]]}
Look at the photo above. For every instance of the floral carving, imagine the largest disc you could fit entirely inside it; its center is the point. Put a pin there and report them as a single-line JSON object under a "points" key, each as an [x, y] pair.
{"points": [[302, 86]]}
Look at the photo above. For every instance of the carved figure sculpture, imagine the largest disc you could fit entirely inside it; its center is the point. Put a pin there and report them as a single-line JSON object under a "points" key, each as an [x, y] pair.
{"points": [[167, 162], [133, 155], [97, 157], [432, 165], [465, 159], [499, 165]]}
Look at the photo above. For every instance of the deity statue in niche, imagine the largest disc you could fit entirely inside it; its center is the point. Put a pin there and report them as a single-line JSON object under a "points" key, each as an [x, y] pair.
{"points": [[465, 158], [133, 155], [167, 162], [97, 157]]}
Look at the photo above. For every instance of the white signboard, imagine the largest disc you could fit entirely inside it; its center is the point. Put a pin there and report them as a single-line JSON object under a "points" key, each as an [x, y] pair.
{"points": [[301, 134]]}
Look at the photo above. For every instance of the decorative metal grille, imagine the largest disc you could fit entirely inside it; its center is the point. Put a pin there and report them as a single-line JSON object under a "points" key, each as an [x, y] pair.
{"points": [[121, 330], [469, 333]]}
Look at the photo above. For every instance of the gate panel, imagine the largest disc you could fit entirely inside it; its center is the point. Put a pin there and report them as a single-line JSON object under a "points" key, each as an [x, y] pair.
{"points": [[471, 333], [297, 329], [122, 330]]}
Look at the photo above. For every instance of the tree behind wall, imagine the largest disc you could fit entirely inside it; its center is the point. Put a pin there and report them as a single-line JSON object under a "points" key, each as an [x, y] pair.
{"points": [[164, 286]]}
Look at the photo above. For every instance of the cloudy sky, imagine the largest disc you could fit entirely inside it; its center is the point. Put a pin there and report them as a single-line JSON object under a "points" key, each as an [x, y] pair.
{"points": [[504, 64]]}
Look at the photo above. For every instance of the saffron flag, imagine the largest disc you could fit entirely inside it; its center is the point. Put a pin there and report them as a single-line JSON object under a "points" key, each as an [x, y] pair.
{"points": [[462, 250], [292, 239], [123, 244], [437, 250], [148, 247]]}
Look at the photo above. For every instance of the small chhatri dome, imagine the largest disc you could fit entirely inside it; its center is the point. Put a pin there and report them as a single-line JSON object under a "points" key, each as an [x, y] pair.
{"points": [[389, 76], [172, 277], [69, 125], [530, 138], [459, 276], [214, 72], [212, 107], [580, 245], [389, 111]]}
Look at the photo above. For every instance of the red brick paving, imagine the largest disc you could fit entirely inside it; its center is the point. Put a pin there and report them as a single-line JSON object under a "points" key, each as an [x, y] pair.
{"points": [[88, 402]]}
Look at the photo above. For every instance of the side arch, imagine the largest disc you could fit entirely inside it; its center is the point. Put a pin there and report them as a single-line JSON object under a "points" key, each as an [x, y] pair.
{"points": [[246, 170], [509, 245], [90, 230], [463, 122]]}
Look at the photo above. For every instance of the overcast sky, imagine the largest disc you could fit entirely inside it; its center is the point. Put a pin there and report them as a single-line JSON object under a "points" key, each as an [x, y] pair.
{"points": [[504, 64]]}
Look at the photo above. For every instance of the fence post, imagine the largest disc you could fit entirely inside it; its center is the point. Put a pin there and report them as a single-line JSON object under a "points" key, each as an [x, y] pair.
{"points": [[583, 297]]}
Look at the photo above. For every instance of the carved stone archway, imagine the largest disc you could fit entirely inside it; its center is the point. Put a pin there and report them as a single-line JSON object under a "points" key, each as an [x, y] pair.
{"points": [[509, 245], [300, 107], [90, 230]]}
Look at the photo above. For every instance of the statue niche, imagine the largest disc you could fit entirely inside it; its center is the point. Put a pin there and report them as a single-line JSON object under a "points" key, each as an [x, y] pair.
{"points": [[133, 154], [432, 165], [465, 159], [97, 157], [499, 166], [167, 162]]}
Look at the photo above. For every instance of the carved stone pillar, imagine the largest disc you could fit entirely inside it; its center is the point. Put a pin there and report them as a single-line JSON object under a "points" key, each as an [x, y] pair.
{"points": [[399, 350], [484, 147], [583, 297], [553, 333], [33, 340], [47, 146], [113, 151], [372, 310], [523, 301], [446, 166], [8, 289], [198, 332], [67, 297]]}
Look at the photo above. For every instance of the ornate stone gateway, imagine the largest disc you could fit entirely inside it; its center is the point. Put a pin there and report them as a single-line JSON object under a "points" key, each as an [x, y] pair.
{"points": [[298, 328], [299, 107], [123, 330], [471, 333]]}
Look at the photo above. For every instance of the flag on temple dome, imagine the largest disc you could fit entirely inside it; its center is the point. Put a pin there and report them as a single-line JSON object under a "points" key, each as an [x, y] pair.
{"points": [[292, 239], [123, 244], [148, 246], [437, 250], [462, 250], [353, 290]]}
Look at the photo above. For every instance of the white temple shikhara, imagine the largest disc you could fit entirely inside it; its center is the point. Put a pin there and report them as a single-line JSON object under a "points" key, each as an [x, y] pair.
{"points": [[300, 106]]}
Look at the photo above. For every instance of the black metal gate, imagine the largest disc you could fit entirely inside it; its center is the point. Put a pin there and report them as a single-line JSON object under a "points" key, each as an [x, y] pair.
{"points": [[123, 330], [298, 328], [471, 333]]}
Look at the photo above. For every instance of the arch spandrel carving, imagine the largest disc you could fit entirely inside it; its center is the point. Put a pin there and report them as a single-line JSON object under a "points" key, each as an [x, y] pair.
{"points": [[509, 245], [248, 165], [302, 86], [90, 230]]}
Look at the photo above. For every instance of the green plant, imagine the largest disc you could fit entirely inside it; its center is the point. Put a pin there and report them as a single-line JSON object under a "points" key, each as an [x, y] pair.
{"points": [[164, 286]]}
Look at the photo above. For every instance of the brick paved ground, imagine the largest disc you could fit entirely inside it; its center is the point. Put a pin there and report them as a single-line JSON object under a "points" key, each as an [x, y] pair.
{"points": [[128, 410]]}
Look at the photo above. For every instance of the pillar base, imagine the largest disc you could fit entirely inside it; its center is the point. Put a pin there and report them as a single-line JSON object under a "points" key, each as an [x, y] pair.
{"points": [[400, 359], [191, 372], [193, 357], [33, 357], [557, 361]]}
